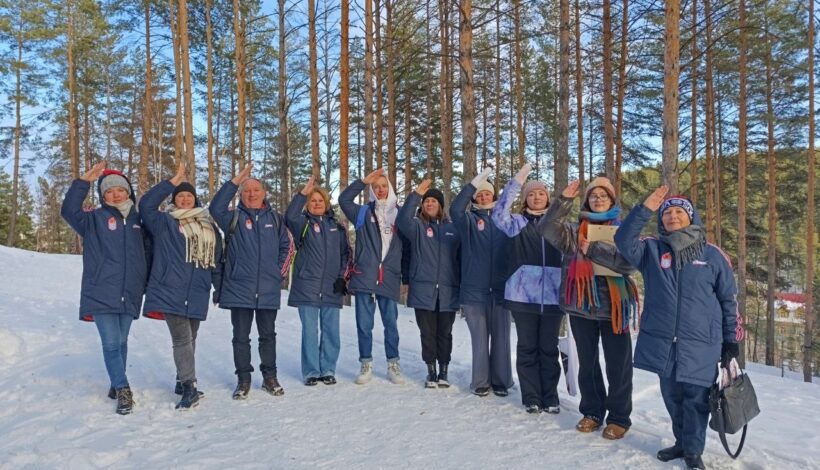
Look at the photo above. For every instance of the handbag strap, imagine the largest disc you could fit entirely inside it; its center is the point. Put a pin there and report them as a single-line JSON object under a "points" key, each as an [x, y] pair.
{"points": [[718, 417]]}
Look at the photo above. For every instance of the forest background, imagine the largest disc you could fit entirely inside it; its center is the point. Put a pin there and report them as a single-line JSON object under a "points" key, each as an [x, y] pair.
{"points": [[713, 97]]}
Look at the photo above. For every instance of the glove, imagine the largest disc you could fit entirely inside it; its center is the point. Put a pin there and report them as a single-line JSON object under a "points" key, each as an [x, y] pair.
{"points": [[340, 286], [481, 177], [728, 351], [521, 176]]}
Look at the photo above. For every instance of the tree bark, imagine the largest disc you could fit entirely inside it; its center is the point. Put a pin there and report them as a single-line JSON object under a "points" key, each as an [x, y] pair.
{"points": [[619, 129], [693, 165], [186, 91], [282, 110], [468, 127], [18, 98], [142, 168], [391, 93], [772, 201], [609, 138], [579, 94], [497, 94], [314, 92], [561, 171], [239, 63], [671, 98], [179, 137], [210, 97], [344, 94], [444, 98], [73, 138], [368, 86], [518, 91], [377, 71], [808, 327], [709, 128], [741, 173], [408, 148]]}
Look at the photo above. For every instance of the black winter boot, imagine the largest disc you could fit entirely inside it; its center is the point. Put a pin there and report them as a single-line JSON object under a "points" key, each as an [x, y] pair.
{"points": [[694, 462], [432, 376], [125, 401], [190, 397], [241, 391], [442, 375], [178, 389], [670, 453]]}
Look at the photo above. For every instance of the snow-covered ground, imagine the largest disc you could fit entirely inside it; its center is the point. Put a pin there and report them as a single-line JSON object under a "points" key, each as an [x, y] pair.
{"points": [[54, 412]]}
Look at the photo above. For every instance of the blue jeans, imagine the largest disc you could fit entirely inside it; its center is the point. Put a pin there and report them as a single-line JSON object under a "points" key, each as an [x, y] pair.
{"points": [[365, 313], [319, 356], [113, 329], [688, 406]]}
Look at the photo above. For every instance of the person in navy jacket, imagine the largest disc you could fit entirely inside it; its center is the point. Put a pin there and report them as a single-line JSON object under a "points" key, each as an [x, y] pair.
{"points": [[187, 247], [531, 292], [434, 277], [258, 257], [114, 268], [483, 268], [689, 320], [375, 278], [318, 285]]}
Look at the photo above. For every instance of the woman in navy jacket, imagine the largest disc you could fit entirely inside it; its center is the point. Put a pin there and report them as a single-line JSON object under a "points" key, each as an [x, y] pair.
{"points": [[434, 277], [689, 320], [531, 292], [114, 268], [318, 280], [483, 267], [186, 248]]}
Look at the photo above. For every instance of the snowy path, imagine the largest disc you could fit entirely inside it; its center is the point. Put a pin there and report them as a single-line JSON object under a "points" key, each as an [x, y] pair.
{"points": [[54, 413]]}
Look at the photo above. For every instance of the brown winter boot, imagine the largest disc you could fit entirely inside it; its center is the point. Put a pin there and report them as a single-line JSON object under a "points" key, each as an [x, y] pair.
{"points": [[271, 385], [587, 425], [613, 432]]}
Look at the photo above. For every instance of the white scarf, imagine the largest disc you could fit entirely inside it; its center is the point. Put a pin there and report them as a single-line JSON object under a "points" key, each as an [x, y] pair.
{"points": [[534, 212], [124, 207], [200, 240], [386, 211], [484, 206]]}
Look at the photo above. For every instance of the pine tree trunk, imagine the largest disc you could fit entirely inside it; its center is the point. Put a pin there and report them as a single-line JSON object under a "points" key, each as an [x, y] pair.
{"points": [[619, 129], [239, 63], [579, 94], [710, 123], [142, 167], [15, 180], [314, 92], [73, 138], [497, 104], [282, 111], [808, 327], [609, 138], [671, 98], [408, 148], [344, 94], [179, 136], [561, 172], [377, 71], [693, 165], [741, 174], [329, 98], [444, 101], [468, 127], [771, 264], [210, 97], [186, 91], [368, 86], [391, 93], [519, 89]]}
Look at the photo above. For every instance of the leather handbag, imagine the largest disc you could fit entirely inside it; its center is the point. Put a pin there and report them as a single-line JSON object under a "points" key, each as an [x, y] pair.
{"points": [[732, 407]]}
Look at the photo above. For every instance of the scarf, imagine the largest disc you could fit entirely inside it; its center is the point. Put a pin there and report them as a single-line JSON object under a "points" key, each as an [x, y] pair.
{"points": [[200, 240], [484, 206], [536, 213], [386, 211], [687, 243], [124, 207], [582, 283]]}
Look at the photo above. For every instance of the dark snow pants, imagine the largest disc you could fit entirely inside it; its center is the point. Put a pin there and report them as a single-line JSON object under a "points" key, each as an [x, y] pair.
{"points": [[436, 330], [242, 319], [537, 357]]}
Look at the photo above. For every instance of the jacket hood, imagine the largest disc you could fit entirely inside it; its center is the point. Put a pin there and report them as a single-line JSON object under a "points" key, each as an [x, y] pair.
{"points": [[392, 199]]}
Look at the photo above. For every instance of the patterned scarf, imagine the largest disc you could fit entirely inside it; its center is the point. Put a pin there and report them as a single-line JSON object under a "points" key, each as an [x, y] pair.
{"points": [[582, 283], [200, 240]]}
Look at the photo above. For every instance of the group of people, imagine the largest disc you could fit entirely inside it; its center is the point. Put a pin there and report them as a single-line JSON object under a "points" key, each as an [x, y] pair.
{"points": [[494, 263]]}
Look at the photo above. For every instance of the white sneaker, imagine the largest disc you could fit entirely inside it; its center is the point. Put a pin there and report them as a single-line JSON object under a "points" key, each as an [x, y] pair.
{"points": [[394, 373], [365, 373]]}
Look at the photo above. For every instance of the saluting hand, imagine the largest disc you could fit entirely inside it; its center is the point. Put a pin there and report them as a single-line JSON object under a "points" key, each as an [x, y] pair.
{"points": [[244, 174], [571, 191], [522, 174], [423, 187], [654, 201], [180, 176], [308, 187], [373, 176], [94, 172]]}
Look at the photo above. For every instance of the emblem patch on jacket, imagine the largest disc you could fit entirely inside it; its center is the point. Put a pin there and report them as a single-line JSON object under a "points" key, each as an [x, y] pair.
{"points": [[248, 224], [112, 223], [666, 260], [480, 225], [316, 228], [429, 232]]}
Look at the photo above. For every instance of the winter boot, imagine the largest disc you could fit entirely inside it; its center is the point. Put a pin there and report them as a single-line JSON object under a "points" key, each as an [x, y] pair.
{"points": [[394, 372], [442, 375], [365, 373], [190, 397], [500, 391], [694, 462], [552, 409], [112, 394], [178, 389], [670, 453], [481, 391], [125, 401], [328, 380], [271, 385], [310, 382], [532, 409], [432, 376], [241, 390]]}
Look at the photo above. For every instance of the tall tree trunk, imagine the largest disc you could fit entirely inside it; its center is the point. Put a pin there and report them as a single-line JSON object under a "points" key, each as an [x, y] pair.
{"points": [[179, 137], [428, 102], [314, 92], [561, 171], [518, 91], [771, 162], [210, 97], [709, 128], [741, 172], [377, 71], [497, 94], [619, 129], [18, 98], [142, 168], [186, 91], [282, 110], [609, 157], [693, 165], [391, 93], [579, 94], [368, 86], [344, 94], [329, 98], [408, 148], [73, 138], [671, 98], [239, 59], [808, 327], [444, 97], [465, 53]]}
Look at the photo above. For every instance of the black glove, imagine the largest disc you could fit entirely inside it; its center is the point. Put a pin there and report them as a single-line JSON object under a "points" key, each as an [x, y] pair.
{"points": [[728, 352], [340, 286]]}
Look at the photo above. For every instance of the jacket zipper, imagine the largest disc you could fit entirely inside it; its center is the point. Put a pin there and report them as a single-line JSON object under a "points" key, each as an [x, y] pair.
{"points": [[324, 256], [679, 274], [258, 255], [438, 262], [125, 261], [543, 269]]}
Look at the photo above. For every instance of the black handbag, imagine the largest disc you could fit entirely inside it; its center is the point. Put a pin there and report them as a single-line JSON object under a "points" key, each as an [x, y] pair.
{"points": [[732, 407]]}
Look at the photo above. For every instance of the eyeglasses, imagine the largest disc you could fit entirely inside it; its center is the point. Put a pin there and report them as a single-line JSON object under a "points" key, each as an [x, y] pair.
{"points": [[597, 197]]}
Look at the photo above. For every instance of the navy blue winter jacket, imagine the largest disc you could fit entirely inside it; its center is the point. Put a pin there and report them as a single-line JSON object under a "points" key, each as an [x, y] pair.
{"points": [[174, 285], [534, 266], [258, 254], [687, 313], [321, 257], [434, 264], [483, 251], [370, 275], [114, 264]]}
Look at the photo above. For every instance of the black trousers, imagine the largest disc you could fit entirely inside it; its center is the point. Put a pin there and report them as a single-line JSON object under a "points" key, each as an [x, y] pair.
{"points": [[242, 319], [436, 330], [596, 400], [537, 357]]}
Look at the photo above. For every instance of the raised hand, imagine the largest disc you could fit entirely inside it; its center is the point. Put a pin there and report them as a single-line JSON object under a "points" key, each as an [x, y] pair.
{"points": [[244, 174], [94, 172], [481, 177], [372, 177], [522, 174], [654, 201], [180, 176], [308, 187], [571, 191], [423, 187]]}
